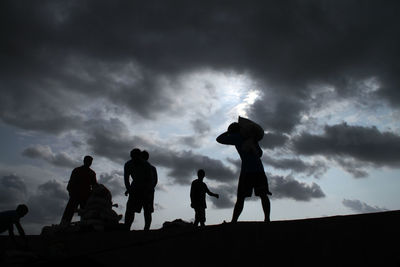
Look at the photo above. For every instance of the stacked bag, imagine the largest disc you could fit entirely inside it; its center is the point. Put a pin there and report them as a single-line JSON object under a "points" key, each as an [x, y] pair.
{"points": [[98, 212]]}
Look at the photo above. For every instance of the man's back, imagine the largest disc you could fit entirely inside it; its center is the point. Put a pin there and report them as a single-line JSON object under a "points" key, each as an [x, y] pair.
{"points": [[82, 178], [140, 171]]}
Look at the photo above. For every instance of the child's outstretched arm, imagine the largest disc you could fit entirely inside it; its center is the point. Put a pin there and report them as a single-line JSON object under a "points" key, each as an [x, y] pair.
{"points": [[212, 194]]}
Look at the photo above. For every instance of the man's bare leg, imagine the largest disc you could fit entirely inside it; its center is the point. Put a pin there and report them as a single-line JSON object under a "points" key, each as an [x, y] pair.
{"points": [[238, 209], [129, 218], [147, 220], [266, 205]]}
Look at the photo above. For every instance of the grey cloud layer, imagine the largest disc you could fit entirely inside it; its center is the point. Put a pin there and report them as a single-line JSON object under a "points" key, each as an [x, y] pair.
{"points": [[13, 191], [365, 144], [316, 168], [288, 187], [61, 159], [285, 45], [361, 207]]}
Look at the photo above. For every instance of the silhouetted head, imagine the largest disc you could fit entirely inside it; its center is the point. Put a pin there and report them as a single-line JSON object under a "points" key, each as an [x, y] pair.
{"points": [[234, 127], [135, 153], [201, 173], [22, 210], [87, 161], [145, 155]]}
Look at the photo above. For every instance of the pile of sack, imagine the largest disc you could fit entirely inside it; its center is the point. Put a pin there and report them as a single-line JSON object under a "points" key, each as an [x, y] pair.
{"points": [[98, 212]]}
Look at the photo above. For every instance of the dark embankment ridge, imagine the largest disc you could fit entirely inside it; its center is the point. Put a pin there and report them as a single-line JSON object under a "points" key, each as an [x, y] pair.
{"points": [[351, 240]]}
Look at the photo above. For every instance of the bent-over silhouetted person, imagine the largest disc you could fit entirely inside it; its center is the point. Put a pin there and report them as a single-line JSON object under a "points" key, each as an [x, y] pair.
{"points": [[79, 187], [198, 192], [252, 174], [10, 218], [141, 190]]}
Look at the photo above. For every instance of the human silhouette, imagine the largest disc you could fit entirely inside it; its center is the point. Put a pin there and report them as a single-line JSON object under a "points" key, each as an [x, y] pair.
{"points": [[10, 218], [198, 192], [141, 190], [79, 187], [252, 174]]}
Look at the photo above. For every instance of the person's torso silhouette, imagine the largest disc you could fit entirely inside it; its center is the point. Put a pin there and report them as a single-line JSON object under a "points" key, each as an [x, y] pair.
{"points": [[81, 182], [198, 194]]}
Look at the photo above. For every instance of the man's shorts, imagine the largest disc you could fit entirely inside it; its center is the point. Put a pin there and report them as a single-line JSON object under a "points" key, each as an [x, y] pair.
{"points": [[253, 180], [200, 214], [137, 201]]}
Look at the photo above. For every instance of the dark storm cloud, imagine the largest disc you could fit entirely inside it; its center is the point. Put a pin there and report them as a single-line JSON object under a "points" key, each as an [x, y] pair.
{"points": [[113, 181], [200, 126], [111, 139], [227, 196], [288, 187], [47, 204], [285, 45], [361, 207], [280, 115], [352, 166], [364, 144], [200, 131], [183, 166], [13, 191], [273, 140], [316, 168], [61, 159]]}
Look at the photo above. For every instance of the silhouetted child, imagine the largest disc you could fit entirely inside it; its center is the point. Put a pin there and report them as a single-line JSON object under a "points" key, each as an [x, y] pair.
{"points": [[198, 192], [10, 218]]}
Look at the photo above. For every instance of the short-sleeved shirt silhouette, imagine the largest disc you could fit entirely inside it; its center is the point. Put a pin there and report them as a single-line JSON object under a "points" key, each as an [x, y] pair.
{"points": [[79, 185], [8, 218], [198, 192]]}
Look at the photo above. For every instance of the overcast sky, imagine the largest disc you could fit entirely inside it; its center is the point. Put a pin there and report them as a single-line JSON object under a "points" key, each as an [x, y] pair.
{"points": [[103, 77]]}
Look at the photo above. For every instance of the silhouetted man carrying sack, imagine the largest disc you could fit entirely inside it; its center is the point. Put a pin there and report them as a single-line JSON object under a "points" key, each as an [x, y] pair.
{"points": [[245, 136], [198, 191], [10, 218], [79, 188], [141, 190]]}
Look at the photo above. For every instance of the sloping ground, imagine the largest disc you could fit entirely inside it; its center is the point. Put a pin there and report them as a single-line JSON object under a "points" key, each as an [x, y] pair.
{"points": [[356, 240]]}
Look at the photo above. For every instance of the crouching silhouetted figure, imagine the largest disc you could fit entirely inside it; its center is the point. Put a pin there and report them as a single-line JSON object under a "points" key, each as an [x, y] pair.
{"points": [[198, 192], [98, 211], [10, 218]]}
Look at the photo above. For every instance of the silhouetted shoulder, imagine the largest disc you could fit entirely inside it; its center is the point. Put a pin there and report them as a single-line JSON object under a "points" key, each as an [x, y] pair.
{"points": [[128, 164]]}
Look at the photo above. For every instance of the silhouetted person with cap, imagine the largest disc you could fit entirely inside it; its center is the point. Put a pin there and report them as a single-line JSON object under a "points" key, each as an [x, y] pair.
{"points": [[252, 174], [141, 190], [79, 187], [10, 218], [198, 192]]}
